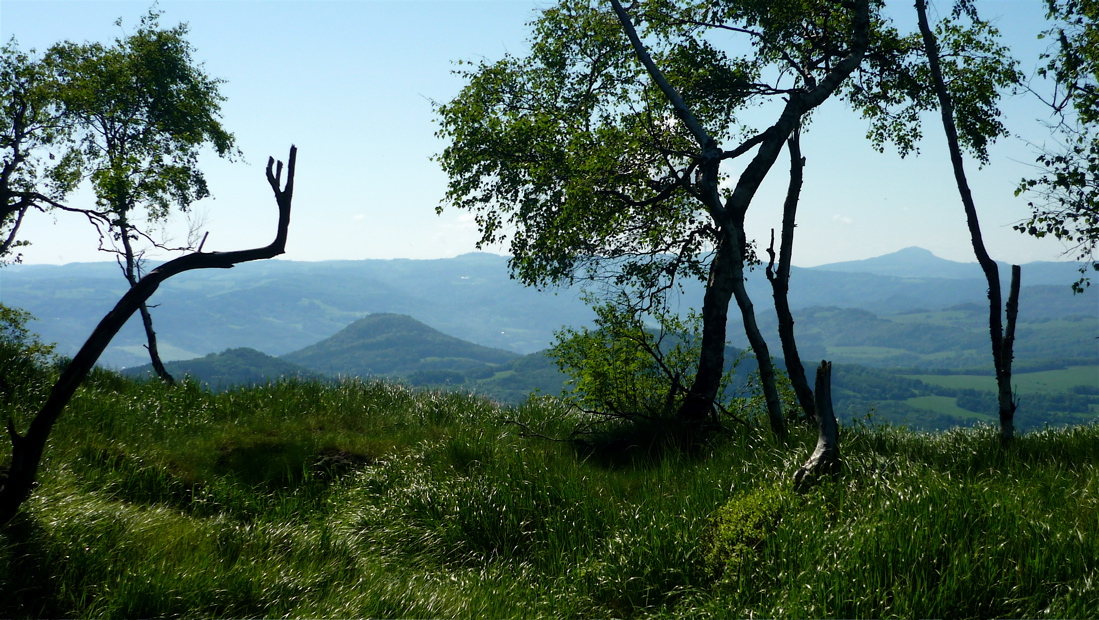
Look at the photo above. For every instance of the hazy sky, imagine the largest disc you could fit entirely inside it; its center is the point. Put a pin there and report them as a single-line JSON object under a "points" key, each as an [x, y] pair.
{"points": [[351, 84]]}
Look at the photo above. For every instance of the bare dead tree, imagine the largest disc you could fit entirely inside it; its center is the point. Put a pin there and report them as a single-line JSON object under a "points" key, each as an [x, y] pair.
{"points": [[825, 459], [779, 277], [27, 448]]}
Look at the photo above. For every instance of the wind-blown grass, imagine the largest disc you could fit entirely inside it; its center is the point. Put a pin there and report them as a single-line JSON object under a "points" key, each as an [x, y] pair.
{"points": [[310, 499]]}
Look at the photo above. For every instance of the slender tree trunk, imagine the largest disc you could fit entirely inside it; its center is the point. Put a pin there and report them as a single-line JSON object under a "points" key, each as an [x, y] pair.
{"points": [[826, 457], [1002, 340], [1006, 399], [700, 398], [780, 280], [727, 281], [27, 449], [130, 270], [154, 352], [758, 344]]}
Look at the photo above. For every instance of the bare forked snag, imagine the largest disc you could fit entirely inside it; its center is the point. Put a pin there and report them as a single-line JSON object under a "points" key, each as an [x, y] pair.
{"points": [[779, 277], [825, 459], [27, 449]]}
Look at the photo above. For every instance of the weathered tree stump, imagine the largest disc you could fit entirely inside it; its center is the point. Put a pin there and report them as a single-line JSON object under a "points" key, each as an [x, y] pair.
{"points": [[825, 459]]}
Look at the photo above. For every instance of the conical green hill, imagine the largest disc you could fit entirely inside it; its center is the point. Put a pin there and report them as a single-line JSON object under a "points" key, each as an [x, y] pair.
{"points": [[393, 345]]}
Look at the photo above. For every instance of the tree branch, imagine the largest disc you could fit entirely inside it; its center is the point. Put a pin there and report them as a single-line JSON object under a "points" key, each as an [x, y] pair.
{"points": [[27, 450], [704, 140]]}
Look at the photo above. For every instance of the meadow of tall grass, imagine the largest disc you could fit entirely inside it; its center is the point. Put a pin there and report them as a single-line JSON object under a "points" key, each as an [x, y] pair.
{"points": [[368, 499]]}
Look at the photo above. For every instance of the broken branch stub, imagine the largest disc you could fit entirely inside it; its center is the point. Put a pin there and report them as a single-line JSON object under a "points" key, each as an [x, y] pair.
{"points": [[27, 449]]}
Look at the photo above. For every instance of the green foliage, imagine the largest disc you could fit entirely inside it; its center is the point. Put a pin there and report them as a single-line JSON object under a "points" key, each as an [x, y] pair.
{"points": [[37, 163], [624, 368], [551, 149], [742, 526], [144, 109], [14, 332], [130, 117], [26, 371], [893, 89], [1067, 204], [579, 162]]}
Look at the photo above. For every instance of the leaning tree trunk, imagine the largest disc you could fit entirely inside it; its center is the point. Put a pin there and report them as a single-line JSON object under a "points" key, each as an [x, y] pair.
{"points": [[699, 402], [825, 459], [130, 270], [726, 282], [27, 449], [1003, 340], [729, 217], [780, 280]]}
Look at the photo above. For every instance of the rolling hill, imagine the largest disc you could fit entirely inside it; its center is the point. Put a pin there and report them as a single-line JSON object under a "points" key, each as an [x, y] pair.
{"points": [[396, 345], [232, 367]]}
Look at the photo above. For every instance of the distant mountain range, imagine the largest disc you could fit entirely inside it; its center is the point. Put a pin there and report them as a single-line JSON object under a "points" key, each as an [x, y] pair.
{"points": [[915, 262], [397, 347], [906, 308]]}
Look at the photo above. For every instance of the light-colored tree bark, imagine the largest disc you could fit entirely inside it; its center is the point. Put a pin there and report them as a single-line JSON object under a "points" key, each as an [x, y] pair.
{"points": [[825, 459]]}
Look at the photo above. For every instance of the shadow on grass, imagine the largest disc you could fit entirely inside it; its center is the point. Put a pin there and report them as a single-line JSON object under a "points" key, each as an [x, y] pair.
{"points": [[28, 572], [639, 442]]}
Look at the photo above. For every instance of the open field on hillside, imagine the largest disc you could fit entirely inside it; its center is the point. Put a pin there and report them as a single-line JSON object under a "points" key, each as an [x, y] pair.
{"points": [[948, 405], [1025, 383]]}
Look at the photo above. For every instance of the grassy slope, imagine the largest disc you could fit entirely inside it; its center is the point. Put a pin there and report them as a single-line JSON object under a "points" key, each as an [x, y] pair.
{"points": [[368, 499]]}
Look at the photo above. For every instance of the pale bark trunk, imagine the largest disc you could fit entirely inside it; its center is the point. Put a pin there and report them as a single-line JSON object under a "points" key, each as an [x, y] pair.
{"points": [[825, 459], [699, 403]]}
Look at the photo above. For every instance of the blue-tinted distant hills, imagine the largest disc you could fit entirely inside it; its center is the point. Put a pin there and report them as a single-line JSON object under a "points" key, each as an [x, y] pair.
{"points": [[278, 307], [915, 262], [387, 344], [230, 368]]}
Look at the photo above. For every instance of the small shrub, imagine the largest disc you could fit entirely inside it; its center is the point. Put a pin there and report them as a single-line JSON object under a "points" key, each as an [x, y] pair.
{"points": [[742, 526]]}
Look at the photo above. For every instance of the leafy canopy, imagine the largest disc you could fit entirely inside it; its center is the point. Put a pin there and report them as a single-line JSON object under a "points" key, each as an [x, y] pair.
{"points": [[625, 368], [37, 165], [572, 156], [892, 90], [144, 109], [1067, 192]]}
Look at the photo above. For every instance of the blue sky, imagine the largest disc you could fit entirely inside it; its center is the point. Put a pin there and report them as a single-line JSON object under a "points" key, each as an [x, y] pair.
{"points": [[351, 84]]}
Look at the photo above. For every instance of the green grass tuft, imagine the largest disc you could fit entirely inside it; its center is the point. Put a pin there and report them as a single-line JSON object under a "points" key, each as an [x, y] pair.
{"points": [[368, 499]]}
